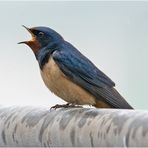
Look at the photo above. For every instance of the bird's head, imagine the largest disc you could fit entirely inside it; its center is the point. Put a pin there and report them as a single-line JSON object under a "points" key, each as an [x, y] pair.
{"points": [[41, 37]]}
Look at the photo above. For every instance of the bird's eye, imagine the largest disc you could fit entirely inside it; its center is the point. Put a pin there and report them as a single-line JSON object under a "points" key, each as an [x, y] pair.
{"points": [[41, 34]]}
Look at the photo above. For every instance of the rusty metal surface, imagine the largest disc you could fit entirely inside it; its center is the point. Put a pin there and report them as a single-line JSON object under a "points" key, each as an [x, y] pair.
{"points": [[30, 126]]}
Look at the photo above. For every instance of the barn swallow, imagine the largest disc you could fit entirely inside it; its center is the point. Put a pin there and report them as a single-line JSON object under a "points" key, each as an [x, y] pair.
{"points": [[69, 74]]}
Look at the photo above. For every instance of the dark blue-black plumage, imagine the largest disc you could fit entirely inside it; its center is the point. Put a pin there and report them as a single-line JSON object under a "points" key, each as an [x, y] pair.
{"points": [[76, 67]]}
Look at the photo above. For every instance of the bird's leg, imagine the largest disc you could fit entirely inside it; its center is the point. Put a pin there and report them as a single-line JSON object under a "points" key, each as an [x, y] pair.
{"points": [[71, 105], [67, 105], [74, 105]]}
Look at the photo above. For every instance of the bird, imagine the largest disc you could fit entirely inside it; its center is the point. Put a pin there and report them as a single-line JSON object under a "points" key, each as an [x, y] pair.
{"points": [[69, 74]]}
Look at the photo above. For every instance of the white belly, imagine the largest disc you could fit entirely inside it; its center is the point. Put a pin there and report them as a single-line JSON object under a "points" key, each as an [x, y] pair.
{"points": [[60, 85]]}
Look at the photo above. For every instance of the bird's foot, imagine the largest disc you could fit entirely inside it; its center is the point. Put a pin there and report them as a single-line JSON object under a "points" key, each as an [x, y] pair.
{"points": [[60, 106], [65, 106]]}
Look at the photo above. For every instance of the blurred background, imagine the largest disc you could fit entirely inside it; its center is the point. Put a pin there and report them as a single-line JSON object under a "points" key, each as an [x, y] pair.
{"points": [[114, 35]]}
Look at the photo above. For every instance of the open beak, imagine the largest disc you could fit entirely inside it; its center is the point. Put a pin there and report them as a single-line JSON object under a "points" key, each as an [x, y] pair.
{"points": [[33, 43], [33, 36]]}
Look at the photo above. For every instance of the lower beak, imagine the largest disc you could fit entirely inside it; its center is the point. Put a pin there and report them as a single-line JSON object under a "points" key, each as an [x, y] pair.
{"points": [[24, 42]]}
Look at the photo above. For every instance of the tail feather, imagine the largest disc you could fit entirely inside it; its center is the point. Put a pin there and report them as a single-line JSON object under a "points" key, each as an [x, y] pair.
{"points": [[113, 98]]}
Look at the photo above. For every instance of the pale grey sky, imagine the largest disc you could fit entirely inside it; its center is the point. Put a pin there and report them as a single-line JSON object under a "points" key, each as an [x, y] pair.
{"points": [[114, 35]]}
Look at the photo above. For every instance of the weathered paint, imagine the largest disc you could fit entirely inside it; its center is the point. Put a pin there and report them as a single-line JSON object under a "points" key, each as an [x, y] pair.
{"points": [[29, 126]]}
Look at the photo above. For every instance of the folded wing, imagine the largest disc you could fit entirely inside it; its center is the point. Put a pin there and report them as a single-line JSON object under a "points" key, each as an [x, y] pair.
{"points": [[85, 74]]}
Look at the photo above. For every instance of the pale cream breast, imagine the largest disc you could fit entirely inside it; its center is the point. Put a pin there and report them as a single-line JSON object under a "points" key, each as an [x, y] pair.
{"points": [[60, 85]]}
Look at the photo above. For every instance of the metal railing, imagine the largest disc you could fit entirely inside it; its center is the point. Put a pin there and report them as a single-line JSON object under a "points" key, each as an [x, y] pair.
{"points": [[87, 127]]}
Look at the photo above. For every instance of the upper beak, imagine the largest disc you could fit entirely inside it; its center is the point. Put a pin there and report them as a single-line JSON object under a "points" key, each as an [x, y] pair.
{"points": [[29, 30]]}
